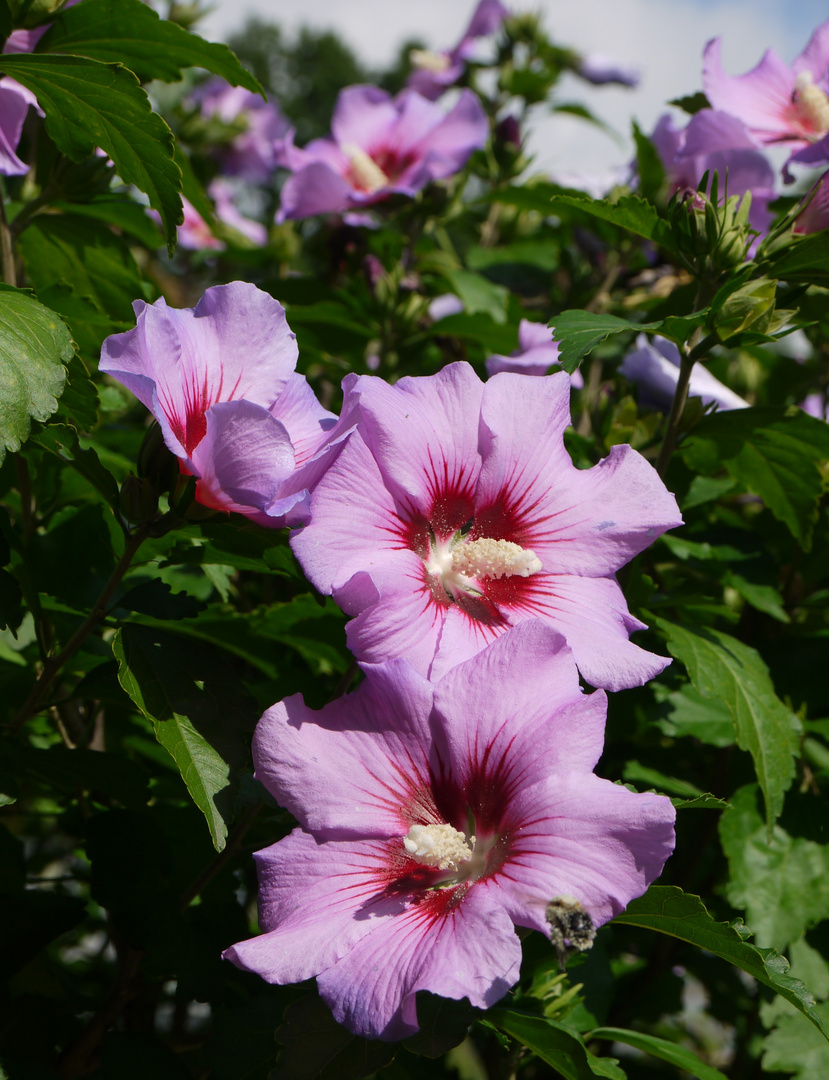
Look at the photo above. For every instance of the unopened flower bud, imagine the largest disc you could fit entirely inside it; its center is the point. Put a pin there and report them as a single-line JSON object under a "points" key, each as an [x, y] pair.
{"points": [[156, 462], [138, 499]]}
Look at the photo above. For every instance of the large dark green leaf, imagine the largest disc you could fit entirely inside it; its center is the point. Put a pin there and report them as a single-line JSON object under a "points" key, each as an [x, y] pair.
{"points": [[723, 668], [90, 104], [131, 33], [557, 1045], [782, 882], [669, 910], [630, 212], [62, 441], [198, 711], [34, 346], [775, 452]]}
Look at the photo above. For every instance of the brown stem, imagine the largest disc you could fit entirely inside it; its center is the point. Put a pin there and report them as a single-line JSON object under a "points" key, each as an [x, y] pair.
{"points": [[54, 663], [686, 366], [8, 271]]}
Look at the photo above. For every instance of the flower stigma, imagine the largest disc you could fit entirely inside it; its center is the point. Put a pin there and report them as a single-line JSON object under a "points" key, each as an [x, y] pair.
{"points": [[441, 846], [459, 562], [811, 103], [366, 173], [426, 60]]}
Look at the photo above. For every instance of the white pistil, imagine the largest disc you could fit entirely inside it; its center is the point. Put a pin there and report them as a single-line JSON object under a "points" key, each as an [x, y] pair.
{"points": [[440, 846], [494, 558], [811, 102], [367, 174], [427, 60]]}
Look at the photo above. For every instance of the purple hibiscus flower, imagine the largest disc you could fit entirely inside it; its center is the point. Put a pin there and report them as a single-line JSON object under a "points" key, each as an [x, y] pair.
{"points": [[380, 146], [251, 155], [535, 355], [455, 512], [14, 104], [655, 367], [715, 142], [435, 72], [779, 103], [219, 379], [435, 819]]}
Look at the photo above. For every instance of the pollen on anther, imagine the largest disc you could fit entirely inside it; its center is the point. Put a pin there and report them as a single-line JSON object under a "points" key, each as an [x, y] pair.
{"points": [[441, 846], [494, 558]]}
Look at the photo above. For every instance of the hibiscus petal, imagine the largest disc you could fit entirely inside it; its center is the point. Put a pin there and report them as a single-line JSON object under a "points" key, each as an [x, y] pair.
{"points": [[463, 130], [583, 837], [355, 522], [815, 57], [316, 900], [243, 460], [593, 616], [314, 189], [14, 104], [420, 435], [457, 947], [363, 116], [358, 767], [761, 98], [581, 521]]}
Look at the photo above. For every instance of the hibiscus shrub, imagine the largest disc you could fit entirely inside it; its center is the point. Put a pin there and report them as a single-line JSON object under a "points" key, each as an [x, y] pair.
{"points": [[413, 580]]}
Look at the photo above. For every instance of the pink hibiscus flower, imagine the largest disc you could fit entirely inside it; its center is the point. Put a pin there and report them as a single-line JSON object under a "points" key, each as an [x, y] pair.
{"points": [[455, 512], [380, 146], [435, 819], [778, 102], [219, 379]]}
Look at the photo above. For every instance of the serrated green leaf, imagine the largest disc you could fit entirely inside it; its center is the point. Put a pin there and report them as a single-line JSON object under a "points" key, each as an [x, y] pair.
{"points": [[90, 104], [126, 215], [795, 1047], [671, 1052], [723, 668], [131, 33], [774, 452], [559, 1046], [197, 708], [690, 714], [782, 883], [34, 346], [62, 441], [668, 910], [579, 332], [630, 212]]}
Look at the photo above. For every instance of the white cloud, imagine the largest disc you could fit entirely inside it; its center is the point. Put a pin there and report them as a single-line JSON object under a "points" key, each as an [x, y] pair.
{"points": [[664, 38]]}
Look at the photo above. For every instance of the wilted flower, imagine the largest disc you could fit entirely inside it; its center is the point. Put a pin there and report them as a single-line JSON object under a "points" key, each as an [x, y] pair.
{"points": [[600, 70], [455, 512], [535, 355], [434, 72], [779, 103], [219, 379], [655, 367], [435, 819], [252, 154], [380, 146]]}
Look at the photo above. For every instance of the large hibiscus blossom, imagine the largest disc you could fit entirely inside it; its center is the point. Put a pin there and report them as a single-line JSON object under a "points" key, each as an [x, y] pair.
{"points": [[435, 818], [455, 512]]}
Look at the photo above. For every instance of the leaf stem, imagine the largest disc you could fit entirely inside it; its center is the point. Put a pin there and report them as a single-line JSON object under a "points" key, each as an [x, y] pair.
{"points": [[54, 664], [688, 358]]}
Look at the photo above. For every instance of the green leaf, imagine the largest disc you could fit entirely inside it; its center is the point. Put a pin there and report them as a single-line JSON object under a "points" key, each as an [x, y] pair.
{"points": [[443, 1023], [660, 1048], [723, 668], [706, 719], [131, 33], [6, 25], [479, 294], [669, 910], [775, 453], [197, 707], [795, 1047], [62, 441], [579, 332], [316, 1047], [803, 259], [782, 883], [559, 1046], [692, 103], [636, 773], [89, 104], [34, 346], [126, 215], [648, 164], [630, 212]]}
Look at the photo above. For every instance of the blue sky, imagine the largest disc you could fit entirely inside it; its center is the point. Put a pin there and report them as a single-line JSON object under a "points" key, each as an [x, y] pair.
{"points": [[664, 38]]}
